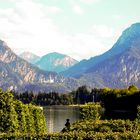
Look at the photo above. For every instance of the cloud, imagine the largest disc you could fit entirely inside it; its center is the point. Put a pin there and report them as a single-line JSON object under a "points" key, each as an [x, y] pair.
{"points": [[53, 10], [27, 27], [117, 17], [86, 45], [90, 1], [103, 31], [106, 35], [78, 10]]}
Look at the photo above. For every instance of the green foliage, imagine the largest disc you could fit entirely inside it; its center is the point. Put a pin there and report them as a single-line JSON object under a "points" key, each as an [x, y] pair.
{"points": [[45, 99], [30, 127], [133, 88], [82, 95], [119, 103], [16, 117], [121, 126], [91, 111], [21, 111], [8, 115], [138, 112], [20, 121], [39, 119], [76, 136], [122, 100]]}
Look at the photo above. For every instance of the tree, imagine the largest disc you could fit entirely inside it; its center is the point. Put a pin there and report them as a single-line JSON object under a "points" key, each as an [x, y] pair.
{"points": [[39, 119], [8, 115], [20, 109], [30, 127], [133, 88]]}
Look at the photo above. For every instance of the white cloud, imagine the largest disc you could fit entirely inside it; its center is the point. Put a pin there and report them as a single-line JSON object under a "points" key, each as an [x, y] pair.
{"points": [[26, 27], [85, 45], [107, 36], [78, 10], [104, 31], [54, 9], [117, 17], [90, 1]]}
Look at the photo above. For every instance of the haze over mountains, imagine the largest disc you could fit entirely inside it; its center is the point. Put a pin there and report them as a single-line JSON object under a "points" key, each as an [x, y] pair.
{"points": [[118, 67]]}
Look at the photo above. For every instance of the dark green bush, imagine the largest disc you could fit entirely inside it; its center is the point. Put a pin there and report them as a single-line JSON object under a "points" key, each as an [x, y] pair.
{"points": [[91, 111], [138, 112], [106, 126], [75, 136]]}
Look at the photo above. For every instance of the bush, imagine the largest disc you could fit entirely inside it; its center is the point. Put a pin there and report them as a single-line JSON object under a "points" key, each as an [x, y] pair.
{"points": [[138, 112], [75, 136], [106, 126], [91, 111]]}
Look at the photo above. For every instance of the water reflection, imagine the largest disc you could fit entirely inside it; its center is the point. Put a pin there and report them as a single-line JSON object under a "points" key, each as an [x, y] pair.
{"points": [[56, 116]]}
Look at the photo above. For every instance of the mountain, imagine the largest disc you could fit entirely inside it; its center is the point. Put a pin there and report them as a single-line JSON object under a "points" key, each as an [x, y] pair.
{"points": [[55, 62], [123, 43], [29, 57], [118, 67], [17, 73], [121, 64]]}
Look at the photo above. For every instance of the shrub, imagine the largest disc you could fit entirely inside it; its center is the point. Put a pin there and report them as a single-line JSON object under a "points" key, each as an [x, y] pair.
{"points": [[138, 112], [91, 111]]}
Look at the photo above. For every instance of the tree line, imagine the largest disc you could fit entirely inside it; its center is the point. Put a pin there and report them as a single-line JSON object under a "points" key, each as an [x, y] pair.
{"points": [[113, 100]]}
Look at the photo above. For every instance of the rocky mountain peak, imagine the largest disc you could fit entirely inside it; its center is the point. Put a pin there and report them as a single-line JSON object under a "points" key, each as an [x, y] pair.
{"points": [[6, 55], [29, 57], [3, 46], [129, 38], [133, 30], [55, 62]]}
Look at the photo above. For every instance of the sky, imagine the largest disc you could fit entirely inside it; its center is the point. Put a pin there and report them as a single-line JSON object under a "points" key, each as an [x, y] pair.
{"points": [[78, 28]]}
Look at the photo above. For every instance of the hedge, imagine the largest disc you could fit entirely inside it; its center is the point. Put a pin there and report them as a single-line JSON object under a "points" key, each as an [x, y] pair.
{"points": [[20, 118], [91, 111], [76, 136]]}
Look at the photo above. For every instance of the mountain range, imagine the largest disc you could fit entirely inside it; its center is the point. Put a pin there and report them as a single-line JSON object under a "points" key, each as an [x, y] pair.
{"points": [[54, 61], [17, 73], [118, 67], [126, 40]]}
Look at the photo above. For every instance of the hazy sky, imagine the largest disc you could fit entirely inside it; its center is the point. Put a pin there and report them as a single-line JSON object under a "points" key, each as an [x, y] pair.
{"points": [[79, 28]]}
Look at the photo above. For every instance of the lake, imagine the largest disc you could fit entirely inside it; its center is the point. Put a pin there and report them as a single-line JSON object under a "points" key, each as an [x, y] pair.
{"points": [[56, 116]]}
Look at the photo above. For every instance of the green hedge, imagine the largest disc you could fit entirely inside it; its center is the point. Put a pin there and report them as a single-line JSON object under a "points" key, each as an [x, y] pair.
{"points": [[20, 118], [91, 111], [138, 112], [76, 136], [106, 126]]}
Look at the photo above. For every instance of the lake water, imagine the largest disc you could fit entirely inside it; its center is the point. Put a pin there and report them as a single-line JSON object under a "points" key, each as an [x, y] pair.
{"points": [[56, 116]]}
